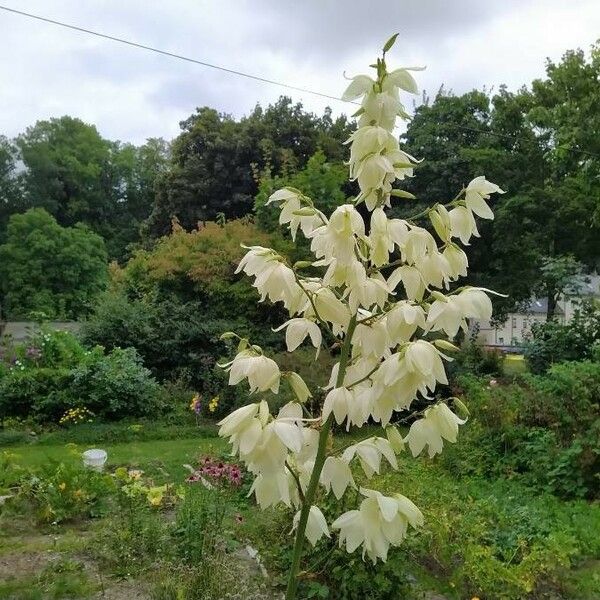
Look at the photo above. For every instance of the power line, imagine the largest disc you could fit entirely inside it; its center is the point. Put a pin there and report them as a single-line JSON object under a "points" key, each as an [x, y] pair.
{"points": [[170, 54], [233, 71]]}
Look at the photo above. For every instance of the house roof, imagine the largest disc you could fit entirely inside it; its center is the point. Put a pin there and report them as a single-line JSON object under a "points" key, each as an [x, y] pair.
{"points": [[539, 306]]}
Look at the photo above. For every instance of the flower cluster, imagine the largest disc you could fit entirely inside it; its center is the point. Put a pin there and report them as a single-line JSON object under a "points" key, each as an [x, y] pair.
{"points": [[387, 297], [33, 353], [134, 485], [73, 416], [213, 404], [217, 473], [196, 404]]}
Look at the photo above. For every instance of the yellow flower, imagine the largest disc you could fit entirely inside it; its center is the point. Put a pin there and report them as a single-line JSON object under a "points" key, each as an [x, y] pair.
{"points": [[212, 405], [62, 486], [155, 495]]}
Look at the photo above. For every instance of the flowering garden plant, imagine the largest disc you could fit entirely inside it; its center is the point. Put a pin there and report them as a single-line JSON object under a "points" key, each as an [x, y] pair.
{"points": [[383, 299]]}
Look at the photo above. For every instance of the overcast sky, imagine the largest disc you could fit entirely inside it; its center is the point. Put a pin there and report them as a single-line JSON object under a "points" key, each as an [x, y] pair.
{"points": [[133, 94]]}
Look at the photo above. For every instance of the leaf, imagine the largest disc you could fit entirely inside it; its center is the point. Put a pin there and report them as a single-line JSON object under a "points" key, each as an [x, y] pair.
{"points": [[388, 45]]}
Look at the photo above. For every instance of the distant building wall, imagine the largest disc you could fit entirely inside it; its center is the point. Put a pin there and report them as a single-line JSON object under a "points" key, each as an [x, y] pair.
{"points": [[21, 330]]}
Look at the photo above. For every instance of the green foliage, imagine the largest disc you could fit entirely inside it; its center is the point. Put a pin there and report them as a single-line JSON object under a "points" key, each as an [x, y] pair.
{"points": [[198, 524], [116, 384], [321, 181], [172, 304], [67, 163], [548, 129], [48, 268], [481, 539], [58, 492], [10, 184], [474, 359], [187, 553], [41, 392], [80, 177], [119, 432], [542, 429], [212, 167], [578, 339], [53, 373]]}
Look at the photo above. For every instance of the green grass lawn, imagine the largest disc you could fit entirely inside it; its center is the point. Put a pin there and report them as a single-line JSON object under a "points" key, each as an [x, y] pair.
{"points": [[162, 458]]}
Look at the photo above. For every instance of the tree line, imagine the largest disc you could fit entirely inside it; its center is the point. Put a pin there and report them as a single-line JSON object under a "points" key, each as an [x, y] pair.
{"points": [[541, 143]]}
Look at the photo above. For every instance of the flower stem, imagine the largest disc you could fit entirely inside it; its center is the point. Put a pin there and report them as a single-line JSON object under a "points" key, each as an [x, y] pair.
{"points": [[311, 490]]}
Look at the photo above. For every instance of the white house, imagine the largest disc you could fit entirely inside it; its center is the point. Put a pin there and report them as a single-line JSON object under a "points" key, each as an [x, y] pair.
{"points": [[514, 331]]}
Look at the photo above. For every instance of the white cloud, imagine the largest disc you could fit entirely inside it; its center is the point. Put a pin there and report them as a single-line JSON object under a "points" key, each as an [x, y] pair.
{"points": [[132, 94]]}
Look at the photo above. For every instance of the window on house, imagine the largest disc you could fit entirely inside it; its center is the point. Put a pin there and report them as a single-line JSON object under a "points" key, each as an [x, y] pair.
{"points": [[514, 321], [501, 340]]}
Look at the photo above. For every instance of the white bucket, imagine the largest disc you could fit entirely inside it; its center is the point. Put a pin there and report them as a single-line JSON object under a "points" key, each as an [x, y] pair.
{"points": [[95, 459]]}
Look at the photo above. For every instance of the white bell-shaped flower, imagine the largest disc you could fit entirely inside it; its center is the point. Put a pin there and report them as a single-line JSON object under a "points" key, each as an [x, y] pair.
{"points": [[369, 453], [336, 476], [439, 423], [371, 340], [476, 194], [373, 292], [411, 278], [296, 331], [424, 359], [262, 373], [360, 85], [457, 260], [380, 238], [337, 239], [403, 320], [475, 304], [418, 243], [256, 260], [274, 488], [463, 224], [435, 269], [447, 314], [343, 404], [290, 202], [381, 522], [316, 526]]}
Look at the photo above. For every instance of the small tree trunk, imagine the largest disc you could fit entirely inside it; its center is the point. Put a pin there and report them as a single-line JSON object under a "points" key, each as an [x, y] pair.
{"points": [[551, 307]]}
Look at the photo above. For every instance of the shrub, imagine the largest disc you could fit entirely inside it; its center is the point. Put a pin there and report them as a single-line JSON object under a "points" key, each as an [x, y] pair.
{"points": [[54, 373], [543, 428], [553, 342], [325, 182], [474, 359], [49, 268], [115, 385], [173, 303], [58, 492], [480, 539], [40, 392]]}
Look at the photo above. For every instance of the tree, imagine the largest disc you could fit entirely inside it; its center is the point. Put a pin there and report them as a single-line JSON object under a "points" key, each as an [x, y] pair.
{"points": [[558, 276], [537, 143], [68, 171], [134, 172], [48, 268], [322, 180], [80, 177], [215, 158], [11, 193]]}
